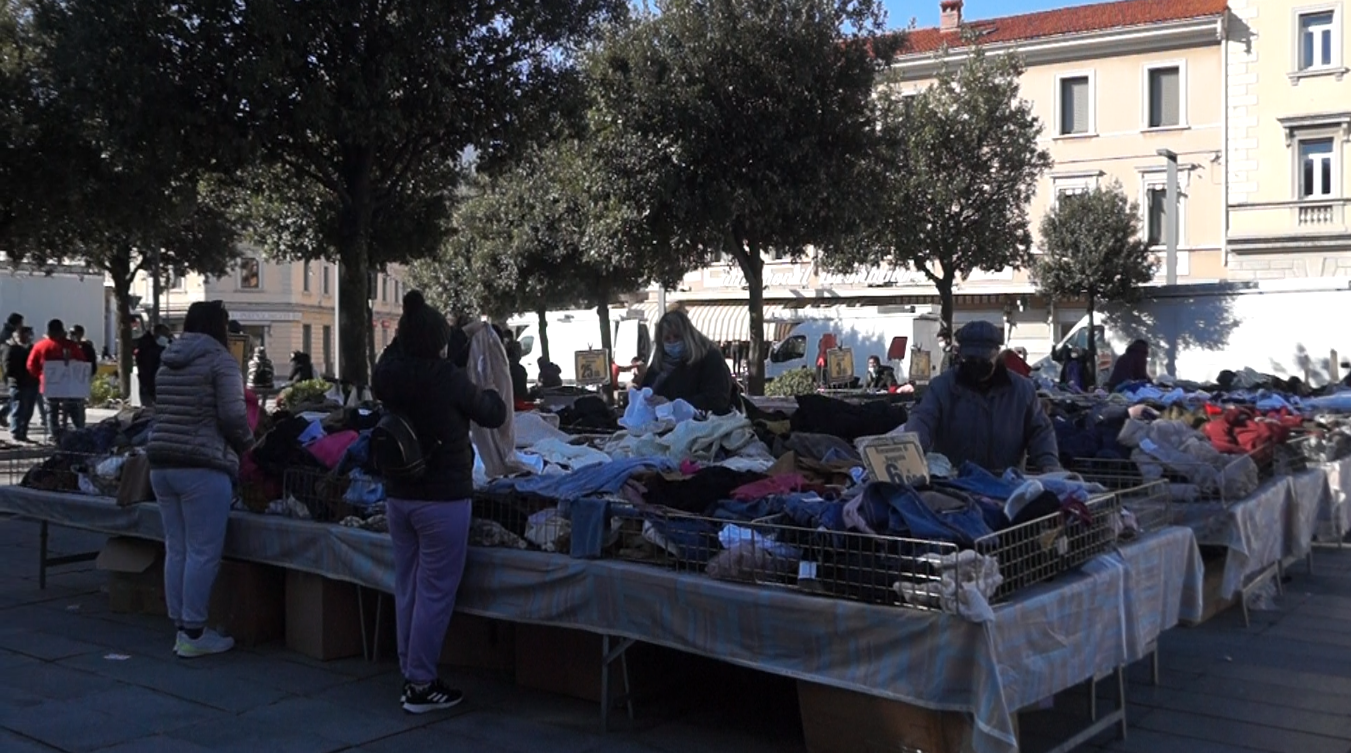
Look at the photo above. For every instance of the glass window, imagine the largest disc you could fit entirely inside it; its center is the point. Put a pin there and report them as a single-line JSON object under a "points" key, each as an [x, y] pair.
{"points": [[527, 345], [1165, 97], [328, 347], [1315, 40], [305, 277], [790, 349], [1157, 206], [1074, 105], [176, 281], [384, 289], [250, 274], [307, 338], [1315, 168], [325, 287]]}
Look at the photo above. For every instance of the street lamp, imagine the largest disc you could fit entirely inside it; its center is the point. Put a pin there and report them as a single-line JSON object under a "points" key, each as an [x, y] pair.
{"points": [[1170, 216]]}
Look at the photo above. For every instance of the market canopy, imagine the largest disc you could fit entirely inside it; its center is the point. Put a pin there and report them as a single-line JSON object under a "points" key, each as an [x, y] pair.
{"points": [[727, 322]]}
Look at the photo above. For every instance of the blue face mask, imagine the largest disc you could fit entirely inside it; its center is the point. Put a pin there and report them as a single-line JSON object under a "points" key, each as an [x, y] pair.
{"points": [[674, 351]]}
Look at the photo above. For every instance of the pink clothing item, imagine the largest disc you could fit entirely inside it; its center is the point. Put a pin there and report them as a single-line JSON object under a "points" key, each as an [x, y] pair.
{"points": [[252, 409], [331, 448], [689, 467], [772, 486]]}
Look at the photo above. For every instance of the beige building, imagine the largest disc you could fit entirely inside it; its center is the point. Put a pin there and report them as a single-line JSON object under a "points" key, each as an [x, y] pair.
{"points": [[285, 306], [1112, 84], [1288, 93]]}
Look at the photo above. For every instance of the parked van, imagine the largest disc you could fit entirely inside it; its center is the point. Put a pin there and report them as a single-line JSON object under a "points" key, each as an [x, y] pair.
{"points": [[1283, 328], [866, 330], [572, 331]]}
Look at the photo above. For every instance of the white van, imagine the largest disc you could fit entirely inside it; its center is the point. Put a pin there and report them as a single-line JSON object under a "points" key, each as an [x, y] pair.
{"points": [[572, 331], [866, 330], [1283, 328]]}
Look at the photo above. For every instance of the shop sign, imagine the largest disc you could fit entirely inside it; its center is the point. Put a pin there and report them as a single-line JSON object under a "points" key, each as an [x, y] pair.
{"points": [[897, 459], [239, 348], [871, 277], [265, 316], [776, 275], [840, 365], [593, 367]]}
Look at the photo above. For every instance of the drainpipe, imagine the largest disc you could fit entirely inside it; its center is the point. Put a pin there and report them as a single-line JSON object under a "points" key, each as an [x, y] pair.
{"points": [[1225, 151]]}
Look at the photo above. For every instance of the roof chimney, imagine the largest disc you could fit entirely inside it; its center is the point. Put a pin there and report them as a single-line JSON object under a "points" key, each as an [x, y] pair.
{"points": [[952, 15]]}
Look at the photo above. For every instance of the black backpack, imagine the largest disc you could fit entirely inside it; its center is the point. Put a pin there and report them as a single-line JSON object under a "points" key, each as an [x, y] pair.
{"points": [[396, 452]]}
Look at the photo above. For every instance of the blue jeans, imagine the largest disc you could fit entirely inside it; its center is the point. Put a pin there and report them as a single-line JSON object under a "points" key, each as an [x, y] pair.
{"points": [[908, 512], [22, 400], [63, 410], [194, 504]]}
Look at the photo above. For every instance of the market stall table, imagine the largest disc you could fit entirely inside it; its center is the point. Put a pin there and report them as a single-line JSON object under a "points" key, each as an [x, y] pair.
{"points": [[1082, 626]]}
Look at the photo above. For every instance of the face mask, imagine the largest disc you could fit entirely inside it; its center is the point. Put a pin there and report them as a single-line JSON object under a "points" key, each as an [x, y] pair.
{"points": [[674, 351], [976, 370], [163, 341]]}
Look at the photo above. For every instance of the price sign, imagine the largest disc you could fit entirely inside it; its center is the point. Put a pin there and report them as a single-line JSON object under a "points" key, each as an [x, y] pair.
{"points": [[839, 365], [921, 365], [593, 367], [897, 459]]}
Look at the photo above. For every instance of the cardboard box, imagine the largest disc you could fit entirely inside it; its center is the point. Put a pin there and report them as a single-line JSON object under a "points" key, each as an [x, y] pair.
{"points": [[248, 602], [842, 721], [135, 570], [480, 643], [568, 662], [1212, 603], [322, 618]]}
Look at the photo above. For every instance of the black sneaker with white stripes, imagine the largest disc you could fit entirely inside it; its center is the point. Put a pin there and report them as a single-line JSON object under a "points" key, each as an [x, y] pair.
{"points": [[433, 697]]}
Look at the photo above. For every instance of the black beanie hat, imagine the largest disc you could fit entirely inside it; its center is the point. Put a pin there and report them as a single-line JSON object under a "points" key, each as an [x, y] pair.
{"points": [[422, 329]]}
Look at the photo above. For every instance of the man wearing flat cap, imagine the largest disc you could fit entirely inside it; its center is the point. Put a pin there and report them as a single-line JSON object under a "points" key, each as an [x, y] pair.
{"points": [[981, 412]]}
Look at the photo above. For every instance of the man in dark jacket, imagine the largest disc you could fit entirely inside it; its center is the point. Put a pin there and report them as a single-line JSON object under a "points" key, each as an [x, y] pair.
{"points": [[880, 376], [149, 353], [23, 386], [302, 367], [981, 412]]}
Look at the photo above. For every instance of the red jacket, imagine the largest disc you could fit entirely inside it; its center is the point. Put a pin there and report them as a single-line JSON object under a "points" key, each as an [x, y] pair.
{"points": [[50, 349]]}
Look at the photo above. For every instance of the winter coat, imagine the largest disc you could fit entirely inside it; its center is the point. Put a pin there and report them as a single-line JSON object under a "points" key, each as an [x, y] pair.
{"points": [[489, 370], [16, 366], [707, 385], [200, 417], [884, 379], [998, 428], [440, 401], [148, 355]]}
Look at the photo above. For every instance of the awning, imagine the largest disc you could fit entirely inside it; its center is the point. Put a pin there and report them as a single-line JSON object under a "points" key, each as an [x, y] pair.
{"points": [[723, 322]]}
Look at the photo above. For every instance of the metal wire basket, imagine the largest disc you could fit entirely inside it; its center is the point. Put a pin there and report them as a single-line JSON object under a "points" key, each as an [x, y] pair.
{"points": [[330, 497], [1150, 505], [72, 472]]}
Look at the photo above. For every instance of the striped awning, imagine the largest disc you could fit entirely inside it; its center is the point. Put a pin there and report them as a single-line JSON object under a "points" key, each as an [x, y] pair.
{"points": [[724, 322]]}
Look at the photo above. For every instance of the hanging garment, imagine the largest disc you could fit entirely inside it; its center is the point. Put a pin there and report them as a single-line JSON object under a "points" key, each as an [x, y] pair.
{"points": [[490, 370]]}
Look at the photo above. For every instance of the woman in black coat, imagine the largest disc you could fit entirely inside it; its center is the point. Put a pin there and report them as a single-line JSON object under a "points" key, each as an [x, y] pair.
{"points": [[688, 366]]}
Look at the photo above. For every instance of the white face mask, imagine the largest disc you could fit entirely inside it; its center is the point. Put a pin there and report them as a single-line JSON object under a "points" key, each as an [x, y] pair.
{"points": [[163, 341]]}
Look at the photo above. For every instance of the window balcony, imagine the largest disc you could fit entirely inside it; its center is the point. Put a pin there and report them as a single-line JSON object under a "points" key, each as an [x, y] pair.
{"points": [[1308, 224]]}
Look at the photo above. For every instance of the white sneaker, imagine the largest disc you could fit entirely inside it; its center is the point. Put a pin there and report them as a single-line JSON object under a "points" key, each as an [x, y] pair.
{"points": [[209, 643], [179, 641]]}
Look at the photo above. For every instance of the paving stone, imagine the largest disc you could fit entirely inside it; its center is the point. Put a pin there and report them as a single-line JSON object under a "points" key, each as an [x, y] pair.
{"points": [[1255, 711], [12, 743], [155, 711], [1240, 734], [1147, 741], [72, 726], [1276, 695], [429, 740], [229, 735], [330, 720], [296, 679], [156, 744], [53, 682], [509, 733]]}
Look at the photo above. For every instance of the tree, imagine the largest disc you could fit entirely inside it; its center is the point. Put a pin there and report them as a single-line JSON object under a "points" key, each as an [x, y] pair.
{"points": [[741, 126], [361, 113], [549, 233], [113, 172], [1091, 248], [955, 173]]}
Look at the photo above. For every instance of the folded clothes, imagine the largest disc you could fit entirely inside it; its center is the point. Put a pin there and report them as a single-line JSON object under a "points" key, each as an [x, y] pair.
{"points": [[605, 478]]}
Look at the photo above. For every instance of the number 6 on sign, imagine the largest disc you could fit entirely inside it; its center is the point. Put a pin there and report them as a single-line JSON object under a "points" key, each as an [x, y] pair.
{"points": [[897, 459]]}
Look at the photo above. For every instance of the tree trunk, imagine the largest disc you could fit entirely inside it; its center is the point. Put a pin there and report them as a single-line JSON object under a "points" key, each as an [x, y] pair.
{"points": [[606, 343], [1091, 372], [120, 272], [371, 354], [753, 267], [543, 315], [354, 257], [945, 302]]}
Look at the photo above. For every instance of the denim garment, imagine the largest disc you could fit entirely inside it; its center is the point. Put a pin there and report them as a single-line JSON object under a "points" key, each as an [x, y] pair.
{"points": [[194, 504], [22, 401], [973, 479], [810, 511], [1065, 489], [696, 540], [590, 520], [594, 479], [731, 509], [961, 527]]}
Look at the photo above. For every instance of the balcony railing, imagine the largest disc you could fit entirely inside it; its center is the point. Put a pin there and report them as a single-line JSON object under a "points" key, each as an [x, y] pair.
{"points": [[1290, 218]]}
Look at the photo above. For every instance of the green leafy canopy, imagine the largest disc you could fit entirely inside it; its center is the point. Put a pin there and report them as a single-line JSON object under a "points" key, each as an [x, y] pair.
{"points": [[1091, 247]]}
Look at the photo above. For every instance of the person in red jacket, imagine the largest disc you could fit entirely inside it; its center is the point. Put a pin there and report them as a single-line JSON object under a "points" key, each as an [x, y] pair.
{"points": [[57, 347]]}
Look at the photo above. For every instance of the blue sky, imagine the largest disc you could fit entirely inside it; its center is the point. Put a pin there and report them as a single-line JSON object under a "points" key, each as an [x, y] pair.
{"points": [[925, 12]]}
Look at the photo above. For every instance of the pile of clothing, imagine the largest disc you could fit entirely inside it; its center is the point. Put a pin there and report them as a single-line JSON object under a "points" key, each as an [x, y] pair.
{"points": [[90, 460]]}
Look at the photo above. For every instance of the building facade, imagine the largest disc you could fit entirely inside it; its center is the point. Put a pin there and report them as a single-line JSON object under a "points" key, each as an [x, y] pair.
{"points": [[1112, 85], [1289, 129], [284, 306]]}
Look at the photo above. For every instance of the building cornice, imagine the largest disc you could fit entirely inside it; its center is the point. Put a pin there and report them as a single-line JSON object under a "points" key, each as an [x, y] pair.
{"points": [[1293, 124], [1195, 32]]}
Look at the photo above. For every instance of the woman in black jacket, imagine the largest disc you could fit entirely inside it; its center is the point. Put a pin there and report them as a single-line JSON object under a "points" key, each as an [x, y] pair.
{"points": [[429, 516], [688, 366]]}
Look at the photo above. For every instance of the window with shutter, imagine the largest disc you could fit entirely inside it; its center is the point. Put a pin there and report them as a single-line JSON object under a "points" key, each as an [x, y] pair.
{"points": [[1165, 97], [1158, 216], [1316, 40], [1315, 169], [1074, 105]]}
